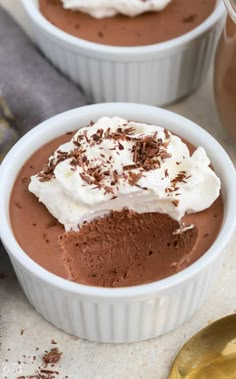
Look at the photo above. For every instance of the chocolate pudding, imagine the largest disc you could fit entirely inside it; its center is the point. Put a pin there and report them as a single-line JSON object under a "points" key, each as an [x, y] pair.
{"points": [[125, 249], [178, 18], [225, 77], [122, 248]]}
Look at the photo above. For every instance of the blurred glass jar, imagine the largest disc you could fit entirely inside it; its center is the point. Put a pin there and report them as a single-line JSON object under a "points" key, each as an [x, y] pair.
{"points": [[225, 72]]}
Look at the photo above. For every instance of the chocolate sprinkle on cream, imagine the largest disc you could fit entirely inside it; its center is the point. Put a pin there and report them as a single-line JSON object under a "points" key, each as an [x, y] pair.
{"points": [[148, 153]]}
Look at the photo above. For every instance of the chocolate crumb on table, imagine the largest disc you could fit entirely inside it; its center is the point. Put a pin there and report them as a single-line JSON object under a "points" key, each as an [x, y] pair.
{"points": [[43, 371], [53, 356]]}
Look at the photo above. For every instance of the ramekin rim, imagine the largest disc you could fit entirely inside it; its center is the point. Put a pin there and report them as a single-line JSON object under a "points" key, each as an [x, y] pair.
{"points": [[36, 15], [23, 259]]}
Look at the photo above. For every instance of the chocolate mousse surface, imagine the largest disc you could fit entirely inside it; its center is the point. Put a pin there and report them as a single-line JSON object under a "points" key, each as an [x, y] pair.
{"points": [[121, 249], [178, 18], [125, 249]]}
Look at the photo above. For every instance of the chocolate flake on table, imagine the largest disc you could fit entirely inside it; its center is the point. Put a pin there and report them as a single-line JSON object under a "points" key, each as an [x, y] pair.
{"points": [[87, 179], [116, 176], [47, 173], [130, 167], [43, 371], [41, 374], [121, 147], [50, 372], [53, 356], [108, 190], [167, 133]]}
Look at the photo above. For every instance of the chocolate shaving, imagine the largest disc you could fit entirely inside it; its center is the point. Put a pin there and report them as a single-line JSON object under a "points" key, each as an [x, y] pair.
{"points": [[121, 147], [134, 178], [167, 134], [108, 189], [43, 371], [116, 176], [62, 152], [52, 357], [130, 130], [148, 152], [86, 136], [130, 167], [175, 202], [76, 143], [86, 178], [107, 133], [143, 188]]}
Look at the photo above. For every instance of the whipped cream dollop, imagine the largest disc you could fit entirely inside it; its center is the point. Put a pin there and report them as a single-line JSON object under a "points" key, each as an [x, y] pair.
{"points": [[109, 8], [115, 164]]}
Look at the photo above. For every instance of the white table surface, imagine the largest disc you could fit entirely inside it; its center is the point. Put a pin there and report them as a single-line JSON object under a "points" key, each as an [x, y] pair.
{"points": [[86, 360]]}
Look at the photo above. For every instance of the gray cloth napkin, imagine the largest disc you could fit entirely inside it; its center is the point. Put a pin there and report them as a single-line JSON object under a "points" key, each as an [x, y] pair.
{"points": [[31, 89]]}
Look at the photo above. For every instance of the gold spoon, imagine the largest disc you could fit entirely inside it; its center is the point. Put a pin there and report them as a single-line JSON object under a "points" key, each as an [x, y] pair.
{"points": [[210, 354]]}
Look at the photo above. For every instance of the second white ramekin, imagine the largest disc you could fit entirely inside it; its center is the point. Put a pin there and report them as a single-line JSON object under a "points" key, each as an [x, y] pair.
{"points": [[155, 74], [117, 314]]}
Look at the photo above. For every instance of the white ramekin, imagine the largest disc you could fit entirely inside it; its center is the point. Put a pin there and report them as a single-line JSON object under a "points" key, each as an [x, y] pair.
{"points": [[121, 314], [155, 74]]}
